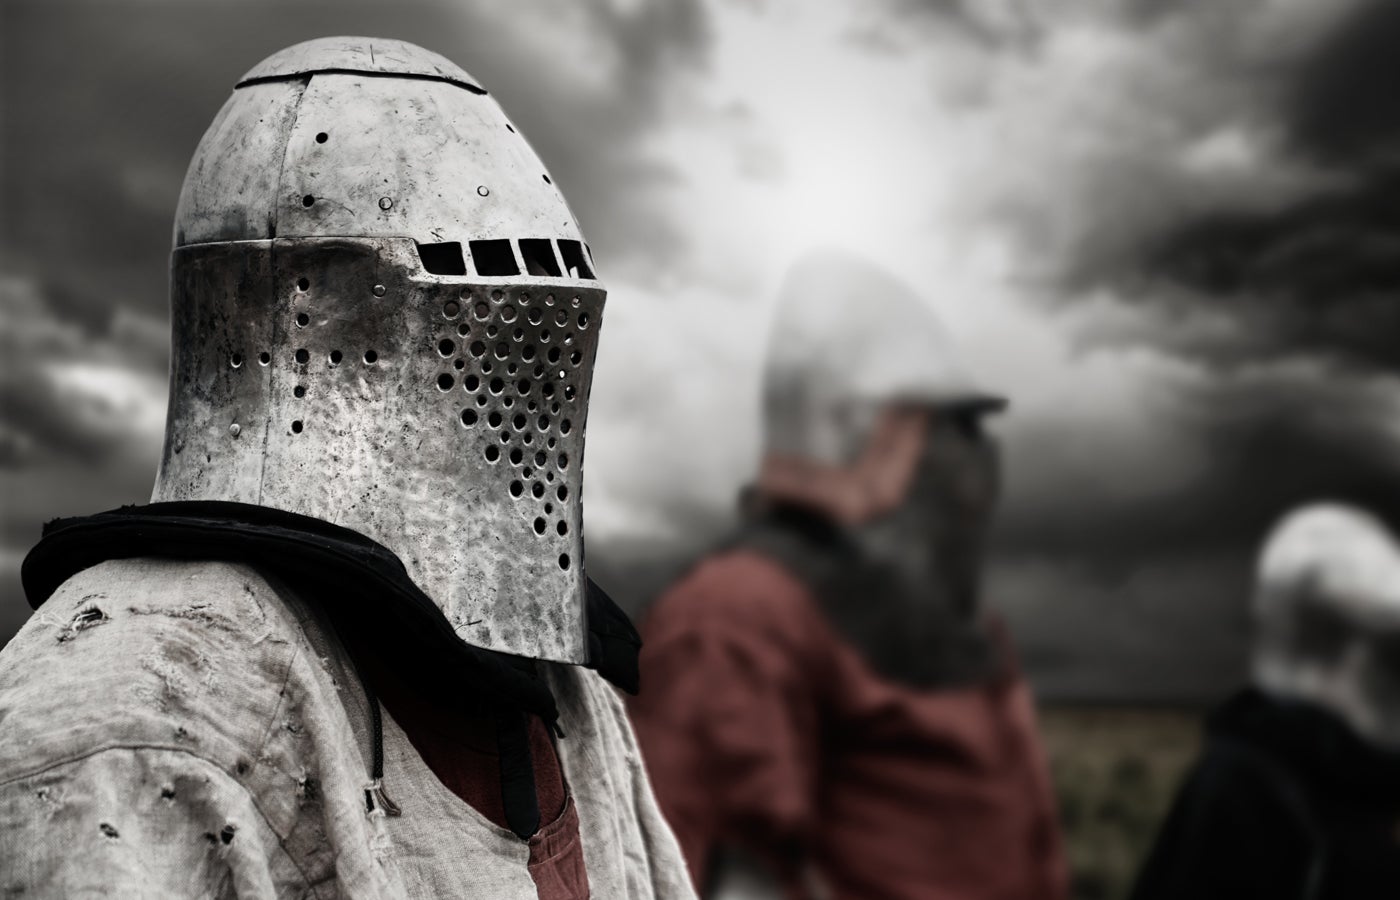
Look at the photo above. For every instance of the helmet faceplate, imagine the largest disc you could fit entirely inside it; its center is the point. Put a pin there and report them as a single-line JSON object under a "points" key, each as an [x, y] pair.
{"points": [[384, 317]]}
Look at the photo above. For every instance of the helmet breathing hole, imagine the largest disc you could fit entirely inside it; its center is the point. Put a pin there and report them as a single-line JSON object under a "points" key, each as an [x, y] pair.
{"points": [[493, 258], [445, 382], [322, 137], [264, 358], [303, 320], [564, 561], [303, 284], [575, 260], [236, 360], [441, 259], [296, 426], [303, 355], [468, 417], [539, 525], [451, 308], [516, 489], [539, 257], [335, 357], [308, 200], [446, 347], [492, 453]]}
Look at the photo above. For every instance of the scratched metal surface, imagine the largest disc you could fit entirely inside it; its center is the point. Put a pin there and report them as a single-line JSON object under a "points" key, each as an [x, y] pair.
{"points": [[319, 367], [442, 417]]}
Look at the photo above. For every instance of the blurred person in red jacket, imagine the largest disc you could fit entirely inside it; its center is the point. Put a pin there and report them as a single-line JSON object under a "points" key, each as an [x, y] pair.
{"points": [[826, 712]]}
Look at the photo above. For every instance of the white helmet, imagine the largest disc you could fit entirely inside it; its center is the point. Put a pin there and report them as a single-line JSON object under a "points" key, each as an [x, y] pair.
{"points": [[848, 340], [1327, 614], [384, 316]]}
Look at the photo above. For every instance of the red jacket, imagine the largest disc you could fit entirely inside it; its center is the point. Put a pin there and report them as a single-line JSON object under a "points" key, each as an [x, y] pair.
{"points": [[763, 730]]}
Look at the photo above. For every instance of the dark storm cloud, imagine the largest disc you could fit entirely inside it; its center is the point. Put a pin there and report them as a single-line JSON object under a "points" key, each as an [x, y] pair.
{"points": [[1320, 276], [1268, 441], [1286, 311], [1317, 275]]}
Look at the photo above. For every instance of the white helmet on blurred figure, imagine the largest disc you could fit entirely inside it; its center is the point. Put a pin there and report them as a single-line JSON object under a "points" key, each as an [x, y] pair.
{"points": [[849, 345], [1327, 614], [848, 339], [385, 317]]}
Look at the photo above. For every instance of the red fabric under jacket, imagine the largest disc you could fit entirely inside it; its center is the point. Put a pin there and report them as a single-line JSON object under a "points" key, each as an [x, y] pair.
{"points": [[763, 730]]}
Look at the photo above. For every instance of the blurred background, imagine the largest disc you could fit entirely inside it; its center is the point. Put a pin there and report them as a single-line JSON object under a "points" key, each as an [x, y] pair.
{"points": [[1167, 231]]}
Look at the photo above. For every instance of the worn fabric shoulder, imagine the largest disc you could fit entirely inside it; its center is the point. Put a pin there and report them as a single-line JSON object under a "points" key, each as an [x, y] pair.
{"points": [[144, 822], [187, 656]]}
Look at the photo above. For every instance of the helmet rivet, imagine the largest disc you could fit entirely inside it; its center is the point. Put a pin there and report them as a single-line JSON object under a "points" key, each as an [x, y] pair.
{"points": [[385, 202], [379, 290], [234, 429], [482, 190]]}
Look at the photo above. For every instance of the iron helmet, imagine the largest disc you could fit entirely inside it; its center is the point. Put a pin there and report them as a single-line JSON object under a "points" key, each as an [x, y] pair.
{"points": [[385, 316]]}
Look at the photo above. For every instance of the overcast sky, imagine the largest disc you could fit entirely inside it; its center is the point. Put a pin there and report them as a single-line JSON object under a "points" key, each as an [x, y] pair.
{"points": [[1165, 230]]}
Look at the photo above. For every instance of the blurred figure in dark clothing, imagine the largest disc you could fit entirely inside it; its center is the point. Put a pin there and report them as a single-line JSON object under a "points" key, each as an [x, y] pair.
{"points": [[1297, 792], [824, 704]]}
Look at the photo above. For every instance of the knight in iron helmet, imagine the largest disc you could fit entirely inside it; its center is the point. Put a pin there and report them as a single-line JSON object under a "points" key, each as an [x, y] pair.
{"points": [[829, 712], [350, 648]]}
